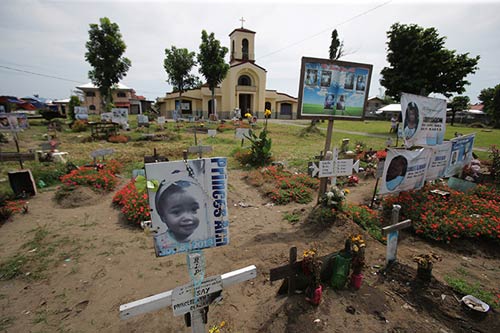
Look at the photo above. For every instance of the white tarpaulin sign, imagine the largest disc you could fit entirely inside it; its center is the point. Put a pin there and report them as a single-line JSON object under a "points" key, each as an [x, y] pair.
{"points": [[241, 133], [404, 170], [460, 154], [438, 161], [120, 115], [188, 203], [107, 116], [81, 113], [424, 120]]}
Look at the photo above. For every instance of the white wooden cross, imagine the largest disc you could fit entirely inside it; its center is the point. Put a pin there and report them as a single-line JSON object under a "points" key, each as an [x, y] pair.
{"points": [[331, 166], [392, 232], [188, 298]]}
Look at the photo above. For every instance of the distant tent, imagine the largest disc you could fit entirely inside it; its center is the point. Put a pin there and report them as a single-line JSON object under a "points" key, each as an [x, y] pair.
{"points": [[389, 108]]}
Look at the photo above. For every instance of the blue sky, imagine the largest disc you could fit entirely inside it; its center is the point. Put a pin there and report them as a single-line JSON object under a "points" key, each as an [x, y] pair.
{"points": [[48, 37]]}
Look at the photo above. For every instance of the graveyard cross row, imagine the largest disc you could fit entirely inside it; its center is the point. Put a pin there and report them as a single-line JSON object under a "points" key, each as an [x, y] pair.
{"points": [[392, 232]]}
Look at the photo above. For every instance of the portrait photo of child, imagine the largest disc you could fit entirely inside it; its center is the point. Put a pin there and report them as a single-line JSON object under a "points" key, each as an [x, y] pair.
{"points": [[184, 207]]}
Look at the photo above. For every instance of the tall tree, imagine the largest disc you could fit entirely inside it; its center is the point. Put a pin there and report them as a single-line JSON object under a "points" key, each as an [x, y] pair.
{"points": [[336, 46], [73, 101], [178, 64], [490, 97], [419, 62], [458, 103], [212, 64], [105, 49]]}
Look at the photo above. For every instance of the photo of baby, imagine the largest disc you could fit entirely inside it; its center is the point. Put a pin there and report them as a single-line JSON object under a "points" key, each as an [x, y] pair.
{"points": [[183, 210]]}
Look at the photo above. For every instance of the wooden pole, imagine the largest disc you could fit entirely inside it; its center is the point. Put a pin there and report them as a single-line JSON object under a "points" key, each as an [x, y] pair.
{"points": [[17, 148], [328, 143]]}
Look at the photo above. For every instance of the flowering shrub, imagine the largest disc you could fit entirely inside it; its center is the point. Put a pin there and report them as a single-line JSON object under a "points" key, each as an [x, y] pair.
{"points": [[334, 198], [134, 205], [472, 214], [495, 163], [100, 179], [118, 138], [79, 126], [284, 187], [368, 219]]}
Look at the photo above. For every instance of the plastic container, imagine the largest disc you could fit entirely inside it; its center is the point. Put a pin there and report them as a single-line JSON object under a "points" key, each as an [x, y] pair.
{"points": [[356, 280], [341, 270]]}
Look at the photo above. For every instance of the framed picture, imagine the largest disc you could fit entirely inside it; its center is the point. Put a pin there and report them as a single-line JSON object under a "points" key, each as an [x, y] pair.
{"points": [[333, 89]]}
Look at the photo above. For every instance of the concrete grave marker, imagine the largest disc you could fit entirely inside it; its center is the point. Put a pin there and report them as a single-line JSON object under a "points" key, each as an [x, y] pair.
{"points": [[212, 133]]}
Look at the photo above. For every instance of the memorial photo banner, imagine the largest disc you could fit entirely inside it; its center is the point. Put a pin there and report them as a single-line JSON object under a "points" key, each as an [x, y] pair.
{"points": [[13, 121], [188, 201], [438, 161], [333, 89], [120, 115], [404, 170], [460, 154], [424, 120], [81, 113]]}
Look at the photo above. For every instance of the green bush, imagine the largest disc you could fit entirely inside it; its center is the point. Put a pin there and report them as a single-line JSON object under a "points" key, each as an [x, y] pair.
{"points": [[259, 153], [49, 173]]}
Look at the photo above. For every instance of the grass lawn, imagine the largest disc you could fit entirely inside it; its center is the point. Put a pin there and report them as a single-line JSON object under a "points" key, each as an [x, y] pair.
{"points": [[288, 143]]}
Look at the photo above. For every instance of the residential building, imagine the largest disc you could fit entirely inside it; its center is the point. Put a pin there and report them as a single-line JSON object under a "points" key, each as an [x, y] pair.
{"points": [[92, 97]]}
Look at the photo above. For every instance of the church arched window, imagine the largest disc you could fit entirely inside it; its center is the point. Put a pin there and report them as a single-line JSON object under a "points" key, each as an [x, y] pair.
{"points": [[244, 80], [244, 48]]}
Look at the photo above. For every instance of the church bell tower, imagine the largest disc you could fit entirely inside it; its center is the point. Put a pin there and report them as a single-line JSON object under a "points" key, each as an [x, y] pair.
{"points": [[242, 45]]}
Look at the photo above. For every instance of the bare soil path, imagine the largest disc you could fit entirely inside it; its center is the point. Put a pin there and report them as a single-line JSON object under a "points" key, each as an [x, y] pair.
{"points": [[93, 262]]}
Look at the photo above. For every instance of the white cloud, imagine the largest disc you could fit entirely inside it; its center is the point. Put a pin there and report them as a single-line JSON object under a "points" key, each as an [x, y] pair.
{"points": [[49, 37]]}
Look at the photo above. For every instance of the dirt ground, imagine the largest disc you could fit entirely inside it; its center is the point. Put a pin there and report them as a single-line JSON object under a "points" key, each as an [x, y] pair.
{"points": [[97, 262]]}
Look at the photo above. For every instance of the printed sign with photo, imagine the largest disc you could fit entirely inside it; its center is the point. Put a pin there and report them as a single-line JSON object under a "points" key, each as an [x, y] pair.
{"points": [[424, 120], [460, 154], [13, 121], [438, 161], [142, 119], [107, 117], [81, 113], [404, 170], [188, 203], [120, 115], [333, 89], [242, 133]]}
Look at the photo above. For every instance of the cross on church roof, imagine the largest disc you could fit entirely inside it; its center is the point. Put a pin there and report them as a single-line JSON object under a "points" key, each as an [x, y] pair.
{"points": [[242, 21]]}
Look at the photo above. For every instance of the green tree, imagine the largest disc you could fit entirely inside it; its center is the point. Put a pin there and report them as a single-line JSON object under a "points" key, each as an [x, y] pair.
{"points": [[458, 103], [73, 101], [105, 49], [178, 64], [336, 46], [419, 62], [212, 64], [490, 97]]}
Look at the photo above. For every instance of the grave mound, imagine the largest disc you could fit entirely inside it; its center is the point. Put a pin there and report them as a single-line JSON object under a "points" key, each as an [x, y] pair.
{"points": [[80, 196]]}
